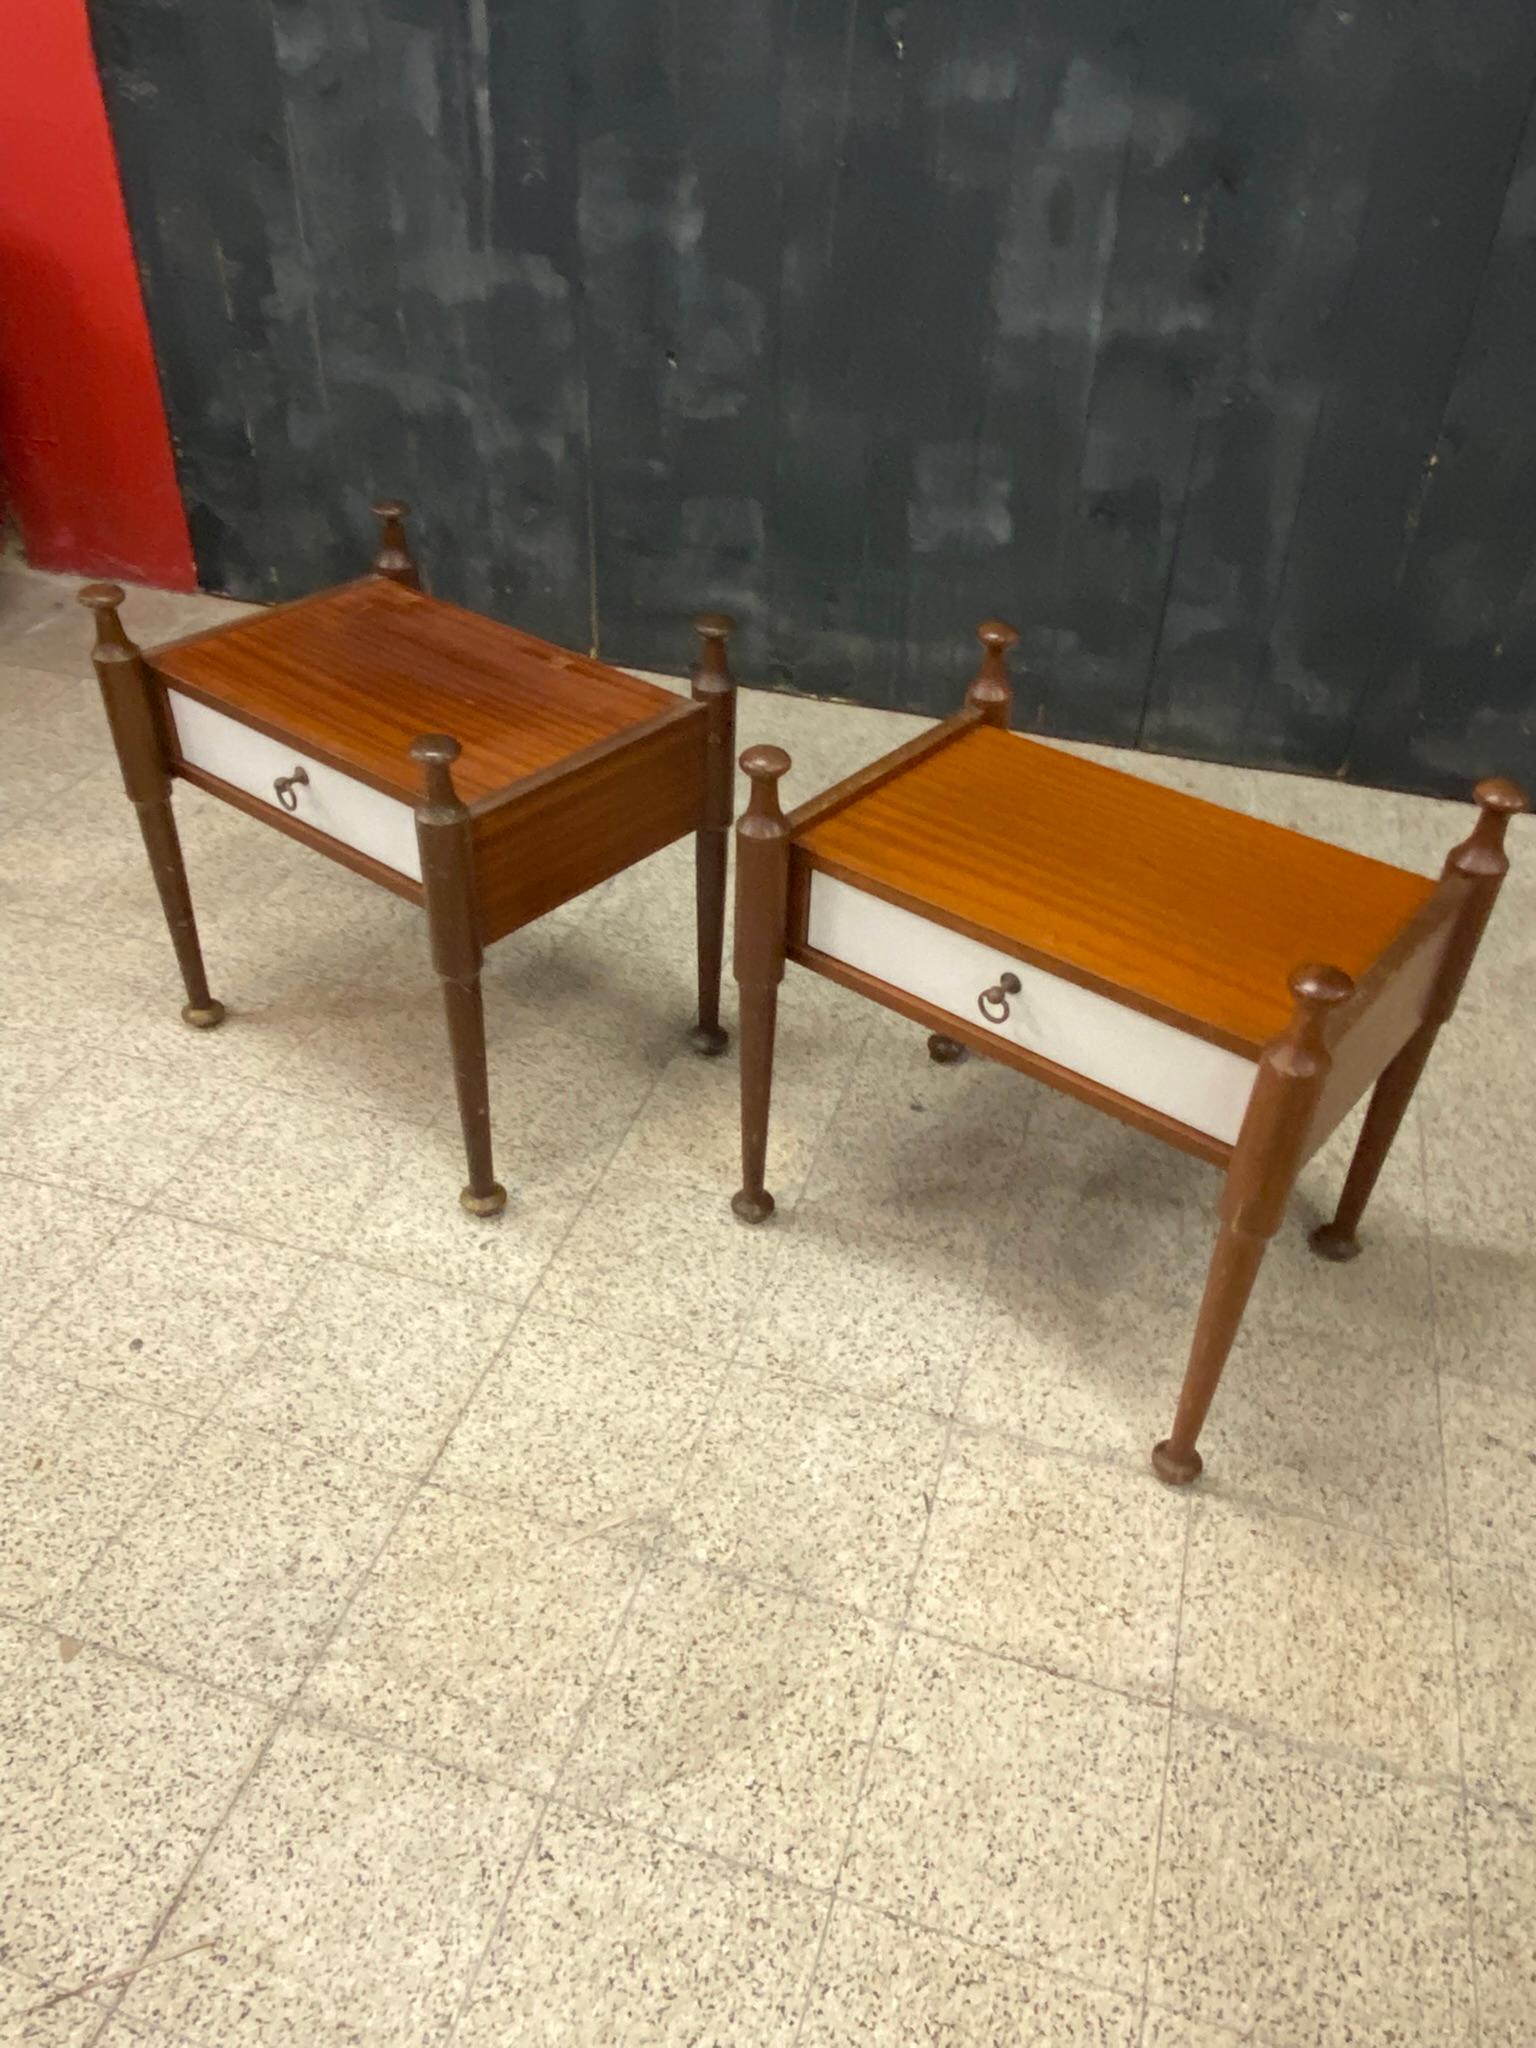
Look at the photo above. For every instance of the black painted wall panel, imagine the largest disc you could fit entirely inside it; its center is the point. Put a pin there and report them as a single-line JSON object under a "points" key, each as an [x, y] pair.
{"points": [[1192, 336]]}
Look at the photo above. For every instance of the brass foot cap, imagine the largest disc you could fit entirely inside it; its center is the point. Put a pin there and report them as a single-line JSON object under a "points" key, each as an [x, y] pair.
{"points": [[708, 1040], [945, 1052], [752, 1208], [203, 1016], [1331, 1243], [484, 1205], [1175, 1471]]}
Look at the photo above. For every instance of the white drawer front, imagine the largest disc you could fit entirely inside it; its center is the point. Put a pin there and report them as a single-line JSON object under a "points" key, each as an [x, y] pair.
{"points": [[1185, 1077], [359, 816]]}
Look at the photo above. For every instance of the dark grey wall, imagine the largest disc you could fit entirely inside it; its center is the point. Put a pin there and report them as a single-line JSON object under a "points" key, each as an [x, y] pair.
{"points": [[1197, 336]]}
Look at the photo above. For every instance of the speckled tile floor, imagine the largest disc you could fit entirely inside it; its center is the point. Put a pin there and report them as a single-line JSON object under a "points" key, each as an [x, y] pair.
{"points": [[610, 1625]]}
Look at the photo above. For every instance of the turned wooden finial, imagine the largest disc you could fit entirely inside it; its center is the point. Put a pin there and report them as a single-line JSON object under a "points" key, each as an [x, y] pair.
{"points": [[437, 752], [1318, 989], [394, 558], [714, 630], [764, 768], [103, 599], [991, 693], [1482, 852]]}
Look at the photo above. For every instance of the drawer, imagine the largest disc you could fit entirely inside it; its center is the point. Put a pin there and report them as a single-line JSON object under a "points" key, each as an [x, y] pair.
{"points": [[353, 812], [1153, 1063]]}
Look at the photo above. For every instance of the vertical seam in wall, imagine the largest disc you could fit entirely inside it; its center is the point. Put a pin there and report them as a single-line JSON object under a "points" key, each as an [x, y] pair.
{"points": [[1154, 652], [594, 630], [301, 226], [1322, 415], [584, 368], [1039, 721], [1452, 380], [787, 21], [844, 106]]}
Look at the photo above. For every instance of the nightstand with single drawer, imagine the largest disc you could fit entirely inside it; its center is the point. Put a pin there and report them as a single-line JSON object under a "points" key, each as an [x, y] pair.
{"points": [[1227, 985], [467, 767]]}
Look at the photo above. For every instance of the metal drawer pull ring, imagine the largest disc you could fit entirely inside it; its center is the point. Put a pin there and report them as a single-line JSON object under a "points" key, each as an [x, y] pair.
{"points": [[286, 787], [1007, 985]]}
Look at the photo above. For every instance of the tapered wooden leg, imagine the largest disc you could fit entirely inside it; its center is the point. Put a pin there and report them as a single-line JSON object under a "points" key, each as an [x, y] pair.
{"points": [[143, 757], [1269, 1150], [483, 1194], [757, 1028], [945, 1052], [1474, 871], [1388, 1106], [762, 893], [1234, 1268], [157, 824], [708, 1035], [448, 882], [715, 688]]}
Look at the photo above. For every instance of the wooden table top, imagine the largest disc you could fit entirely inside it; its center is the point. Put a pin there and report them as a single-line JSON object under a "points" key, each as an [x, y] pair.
{"points": [[1195, 913], [355, 674]]}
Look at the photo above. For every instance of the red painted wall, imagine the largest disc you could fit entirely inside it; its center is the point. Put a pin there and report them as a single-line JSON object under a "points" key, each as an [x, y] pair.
{"points": [[85, 457]]}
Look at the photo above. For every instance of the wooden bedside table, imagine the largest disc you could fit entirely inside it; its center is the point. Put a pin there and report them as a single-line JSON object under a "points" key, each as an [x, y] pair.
{"points": [[1229, 986], [471, 769]]}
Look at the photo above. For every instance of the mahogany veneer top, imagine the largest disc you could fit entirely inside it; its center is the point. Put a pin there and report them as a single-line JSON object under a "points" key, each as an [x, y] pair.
{"points": [[1199, 912], [354, 675]]}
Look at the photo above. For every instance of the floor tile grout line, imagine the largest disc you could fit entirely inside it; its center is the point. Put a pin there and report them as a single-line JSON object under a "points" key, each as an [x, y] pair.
{"points": [[1451, 1586], [589, 1703], [130, 1514], [284, 1711], [317, 1261], [641, 1576], [653, 1553], [313, 1249], [1117, 1460], [637, 1577], [594, 1814], [745, 1867], [164, 1918], [657, 1546], [131, 1211], [114, 1653], [902, 1625], [499, 1918], [1167, 1772], [545, 1801], [898, 1636], [966, 1426], [197, 1423], [1339, 1755]]}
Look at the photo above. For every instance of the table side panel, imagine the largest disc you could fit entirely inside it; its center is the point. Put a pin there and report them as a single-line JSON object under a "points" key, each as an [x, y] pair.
{"points": [[1181, 1077], [565, 831], [1387, 1008]]}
